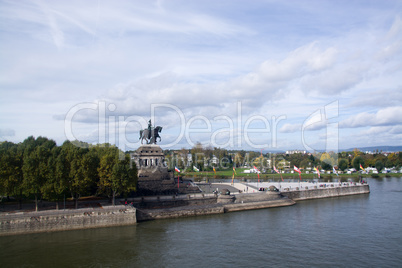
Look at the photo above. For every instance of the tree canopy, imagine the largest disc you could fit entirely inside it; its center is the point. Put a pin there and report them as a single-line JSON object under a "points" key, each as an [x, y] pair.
{"points": [[39, 169]]}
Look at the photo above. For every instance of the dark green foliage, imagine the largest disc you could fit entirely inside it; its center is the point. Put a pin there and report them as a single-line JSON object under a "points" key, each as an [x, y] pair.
{"points": [[39, 168], [342, 164], [379, 165], [35, 168], [357, 161], [11, 177], [325, 165], [115, 174]]}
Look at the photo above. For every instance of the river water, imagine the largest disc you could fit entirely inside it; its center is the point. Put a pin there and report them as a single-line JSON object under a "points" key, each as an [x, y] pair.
{"points": [[352, 231]]}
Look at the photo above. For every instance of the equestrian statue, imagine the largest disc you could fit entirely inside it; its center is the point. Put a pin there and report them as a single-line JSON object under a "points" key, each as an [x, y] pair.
{"points": [[150, 134]]}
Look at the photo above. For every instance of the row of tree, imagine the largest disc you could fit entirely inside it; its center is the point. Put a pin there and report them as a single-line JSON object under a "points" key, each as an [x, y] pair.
{"points": [[39, 169], [205, 158], [345, 160]]}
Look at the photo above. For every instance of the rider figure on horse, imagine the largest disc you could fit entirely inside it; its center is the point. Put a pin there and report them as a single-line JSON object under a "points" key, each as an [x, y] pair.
{"points": [[150, 134], [149, 129]]}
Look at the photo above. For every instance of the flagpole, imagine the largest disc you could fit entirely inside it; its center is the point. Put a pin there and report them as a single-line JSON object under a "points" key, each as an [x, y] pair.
{"points": [[280, 181], [178, 178]]}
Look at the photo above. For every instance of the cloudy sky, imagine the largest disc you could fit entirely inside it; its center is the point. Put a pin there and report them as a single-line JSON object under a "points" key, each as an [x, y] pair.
{"points": [[234, 74]]}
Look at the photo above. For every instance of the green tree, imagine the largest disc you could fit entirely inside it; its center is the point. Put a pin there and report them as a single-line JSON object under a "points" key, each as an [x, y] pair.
{"points": [[198, 156], [305, 163], [35, 166], [379, 165], [54, 187], [260, 162], [369, 160], [342, 164], [71, 170], [238, 159], [357, 161], [62, 170], [11, 176], [325, 165], [392, 160], [90, 164], [295, 159], [116, 176], [79, 184]]}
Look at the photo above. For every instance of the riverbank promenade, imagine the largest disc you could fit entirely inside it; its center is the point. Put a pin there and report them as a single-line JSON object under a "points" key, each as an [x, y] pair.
{"points": [[252, 187]]}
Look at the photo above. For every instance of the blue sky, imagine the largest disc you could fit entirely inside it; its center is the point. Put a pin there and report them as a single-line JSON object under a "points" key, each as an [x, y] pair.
{"points": [[234, 74]]}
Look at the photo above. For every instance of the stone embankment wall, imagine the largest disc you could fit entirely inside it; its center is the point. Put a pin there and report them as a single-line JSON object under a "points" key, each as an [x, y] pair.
{"points": [[258, 205], [187, 200], [47, 221], [222, 204], [327, 192], [178, 212]]}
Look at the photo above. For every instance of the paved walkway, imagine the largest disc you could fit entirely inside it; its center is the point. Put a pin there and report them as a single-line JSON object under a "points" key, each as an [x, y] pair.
{"points": [[254, 186]]}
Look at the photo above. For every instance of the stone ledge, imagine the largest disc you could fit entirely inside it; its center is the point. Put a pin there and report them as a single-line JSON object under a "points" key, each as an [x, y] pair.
{"points": [[35, 222]]}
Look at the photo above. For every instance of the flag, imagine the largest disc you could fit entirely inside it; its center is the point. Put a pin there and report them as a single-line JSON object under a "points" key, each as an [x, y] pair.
{"points": [[297, 170], [178, 180], [277, 171], [214, 169], [196, 169], [318, 172], [258, 173], [361, 167], [333, 168], [234, 172], [256, 169]]}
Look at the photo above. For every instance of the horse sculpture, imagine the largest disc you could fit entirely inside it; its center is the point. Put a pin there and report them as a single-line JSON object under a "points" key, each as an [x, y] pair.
{"points": [[150, 136]]}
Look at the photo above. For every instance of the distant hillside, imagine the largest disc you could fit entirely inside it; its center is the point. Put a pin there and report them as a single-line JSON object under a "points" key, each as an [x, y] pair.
{"points": [[379, 148]]}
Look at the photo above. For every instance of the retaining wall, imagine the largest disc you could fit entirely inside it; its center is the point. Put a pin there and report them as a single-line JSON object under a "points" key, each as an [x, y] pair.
{"points": [[35, 222], [46, 221], [258, 205], [187, 211], [224, 204], [327, 192], [174, 202]]}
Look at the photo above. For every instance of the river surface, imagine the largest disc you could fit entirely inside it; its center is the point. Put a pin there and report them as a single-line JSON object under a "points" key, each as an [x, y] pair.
{"points": [[353, 231]]}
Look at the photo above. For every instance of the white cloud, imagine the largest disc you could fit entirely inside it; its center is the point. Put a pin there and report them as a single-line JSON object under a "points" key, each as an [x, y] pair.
{"points": [[393, 41], [289, 128], [393, 130], [203, 59], [384, 117], [378, 97]]}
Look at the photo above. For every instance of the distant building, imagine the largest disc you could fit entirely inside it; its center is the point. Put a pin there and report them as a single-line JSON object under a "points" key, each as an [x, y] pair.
{"points": [[214, 160], [296, 152], [252, 170]]}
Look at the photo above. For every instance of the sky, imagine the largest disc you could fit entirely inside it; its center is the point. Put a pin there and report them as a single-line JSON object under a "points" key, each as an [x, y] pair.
{"points": [[255, 75]]}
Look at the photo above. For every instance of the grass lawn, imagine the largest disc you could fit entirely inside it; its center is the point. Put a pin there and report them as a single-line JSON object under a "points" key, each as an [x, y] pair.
{"points": [[274, 176]]}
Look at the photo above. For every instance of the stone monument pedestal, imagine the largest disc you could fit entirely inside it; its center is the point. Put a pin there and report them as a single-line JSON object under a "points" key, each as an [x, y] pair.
{"points": [[154, 177], [153, 174]]}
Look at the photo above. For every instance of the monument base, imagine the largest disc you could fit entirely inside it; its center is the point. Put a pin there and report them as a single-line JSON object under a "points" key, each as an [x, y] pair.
{"points": [[154, 178]]}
